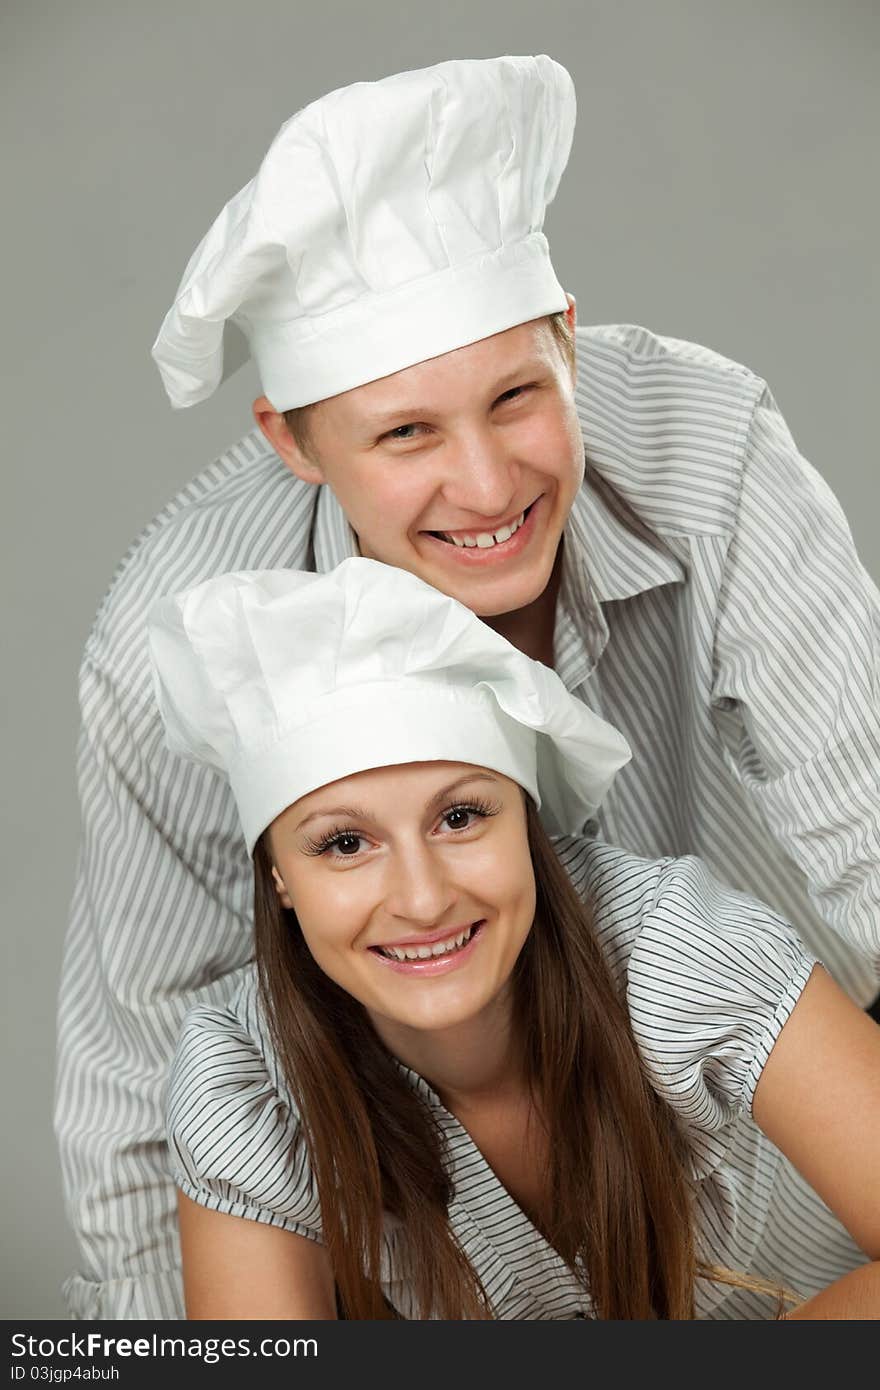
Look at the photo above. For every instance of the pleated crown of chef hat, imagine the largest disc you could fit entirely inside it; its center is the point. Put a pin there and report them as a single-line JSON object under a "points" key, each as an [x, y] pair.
{"points": [[389, 222], [286, 681]]}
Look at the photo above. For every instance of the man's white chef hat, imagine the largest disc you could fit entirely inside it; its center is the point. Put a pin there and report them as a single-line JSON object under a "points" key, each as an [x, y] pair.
{"points": [[286, 681], [389, 222]]}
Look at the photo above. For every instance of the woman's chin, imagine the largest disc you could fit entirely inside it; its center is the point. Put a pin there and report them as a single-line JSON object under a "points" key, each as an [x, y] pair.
{"points": [[429, 1016]]}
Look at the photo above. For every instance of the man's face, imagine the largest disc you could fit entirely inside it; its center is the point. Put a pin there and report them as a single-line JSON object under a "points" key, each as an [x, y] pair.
{"points": [[461, 469]]}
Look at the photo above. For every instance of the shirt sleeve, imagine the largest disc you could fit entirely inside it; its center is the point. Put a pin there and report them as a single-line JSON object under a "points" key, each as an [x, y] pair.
{"points": [[797, 655], [712, 978], [236, 1142], [160, 922]]}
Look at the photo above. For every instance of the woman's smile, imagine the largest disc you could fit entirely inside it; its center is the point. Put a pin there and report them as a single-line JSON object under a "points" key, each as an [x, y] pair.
{"points": [[435, 956]]}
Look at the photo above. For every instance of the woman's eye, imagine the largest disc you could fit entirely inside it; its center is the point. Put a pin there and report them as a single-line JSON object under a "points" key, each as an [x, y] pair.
{"points": [[346, 844], [460, 817], [337, 844]]}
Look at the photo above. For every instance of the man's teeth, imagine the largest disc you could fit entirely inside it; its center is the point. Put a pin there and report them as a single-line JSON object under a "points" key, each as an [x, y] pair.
{"points": [[484, 539], [439, 948]]}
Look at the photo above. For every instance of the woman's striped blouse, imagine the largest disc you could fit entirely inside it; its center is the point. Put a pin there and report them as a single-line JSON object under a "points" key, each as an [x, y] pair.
{"points": [[710, 978]]}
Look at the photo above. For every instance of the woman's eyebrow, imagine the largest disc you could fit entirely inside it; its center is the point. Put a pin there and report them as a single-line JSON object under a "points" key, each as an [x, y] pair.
{"points": [[358, 813], [338, 812], [459, 782]]}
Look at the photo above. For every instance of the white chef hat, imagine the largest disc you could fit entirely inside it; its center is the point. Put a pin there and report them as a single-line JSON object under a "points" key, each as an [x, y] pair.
{"points": [[389, 222], [286, 681]]}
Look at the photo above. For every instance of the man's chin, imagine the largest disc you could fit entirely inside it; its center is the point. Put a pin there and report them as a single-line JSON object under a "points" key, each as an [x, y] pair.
{"points": [[486, 594], [499, 596]]}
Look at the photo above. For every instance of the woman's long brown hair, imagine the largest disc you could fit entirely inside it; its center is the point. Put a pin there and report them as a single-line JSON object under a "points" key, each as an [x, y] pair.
{"points": [[619, 1202]]}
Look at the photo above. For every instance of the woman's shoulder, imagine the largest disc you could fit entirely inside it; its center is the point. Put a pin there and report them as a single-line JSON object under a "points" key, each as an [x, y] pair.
{"points": [[710, 974], [234, 1132], [618, 886], [619, 889], [224, 1074], [228, 1041], [676, 896]]}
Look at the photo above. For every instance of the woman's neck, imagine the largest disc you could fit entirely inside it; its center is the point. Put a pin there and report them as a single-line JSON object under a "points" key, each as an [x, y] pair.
{"points": [[474, 1062]]}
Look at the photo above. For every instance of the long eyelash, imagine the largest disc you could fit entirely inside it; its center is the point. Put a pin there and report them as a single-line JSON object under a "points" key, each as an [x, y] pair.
{"points": [[478, 806], [320, 846]]}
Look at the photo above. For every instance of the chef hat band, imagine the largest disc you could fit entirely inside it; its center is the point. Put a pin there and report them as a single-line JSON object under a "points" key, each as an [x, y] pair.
{"points": [[390, 222], [421, 721], [287, 681], [381, 333]]}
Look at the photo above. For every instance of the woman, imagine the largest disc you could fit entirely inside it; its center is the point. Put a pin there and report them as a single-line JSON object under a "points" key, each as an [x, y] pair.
{"points": [[456, 1091]]}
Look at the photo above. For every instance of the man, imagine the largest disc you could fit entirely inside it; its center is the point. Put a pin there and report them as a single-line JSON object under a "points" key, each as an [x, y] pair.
{"points": [[633, 512]]}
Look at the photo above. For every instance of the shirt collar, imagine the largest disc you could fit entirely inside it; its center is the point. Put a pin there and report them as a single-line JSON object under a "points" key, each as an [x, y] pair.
{"points": [[493, 1230], [608, 543]]}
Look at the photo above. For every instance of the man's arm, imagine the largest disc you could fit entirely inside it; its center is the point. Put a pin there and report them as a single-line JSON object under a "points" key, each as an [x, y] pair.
{"points": [[798, 659], [160, 917]]}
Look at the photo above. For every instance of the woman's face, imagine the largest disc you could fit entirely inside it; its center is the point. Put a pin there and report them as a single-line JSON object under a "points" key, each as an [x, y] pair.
{"points": [[413, 887]]}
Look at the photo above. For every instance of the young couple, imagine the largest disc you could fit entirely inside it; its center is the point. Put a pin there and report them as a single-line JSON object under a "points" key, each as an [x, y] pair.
{"points": [[624, 1092]]}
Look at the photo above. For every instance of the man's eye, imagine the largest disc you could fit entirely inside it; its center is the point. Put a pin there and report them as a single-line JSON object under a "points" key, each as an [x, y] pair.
{"points": [[404, 432], [513, 394]]}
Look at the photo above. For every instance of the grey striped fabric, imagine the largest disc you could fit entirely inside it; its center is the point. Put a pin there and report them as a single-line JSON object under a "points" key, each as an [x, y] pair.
{"points": [[712, 607], [710, 978]]}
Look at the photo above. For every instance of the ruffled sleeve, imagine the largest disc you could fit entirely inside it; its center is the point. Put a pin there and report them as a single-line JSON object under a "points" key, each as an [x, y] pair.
{"points": [[711, 977], [711, 981], [235, 1138]]}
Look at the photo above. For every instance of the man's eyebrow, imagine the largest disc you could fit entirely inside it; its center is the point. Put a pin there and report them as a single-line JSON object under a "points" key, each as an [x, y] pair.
{"points": [[403, 415], [526, 371]]}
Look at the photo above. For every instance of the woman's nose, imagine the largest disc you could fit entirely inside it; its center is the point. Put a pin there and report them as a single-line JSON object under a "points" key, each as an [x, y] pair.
{"points": [[418, 888]]}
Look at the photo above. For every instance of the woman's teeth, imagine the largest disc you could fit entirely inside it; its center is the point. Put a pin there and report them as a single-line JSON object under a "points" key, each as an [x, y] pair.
{"points": [[484, 539], [439, 948]]}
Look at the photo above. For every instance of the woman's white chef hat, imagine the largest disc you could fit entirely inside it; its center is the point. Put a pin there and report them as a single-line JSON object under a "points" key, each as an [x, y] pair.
{"points": [[286, 681], [389, 222]]}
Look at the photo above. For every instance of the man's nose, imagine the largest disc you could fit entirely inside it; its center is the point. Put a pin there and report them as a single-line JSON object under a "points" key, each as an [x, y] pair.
{"points": [[418, 888], [483, 476]]}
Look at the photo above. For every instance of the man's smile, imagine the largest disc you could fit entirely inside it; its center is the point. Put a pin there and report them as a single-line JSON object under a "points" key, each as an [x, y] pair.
{"points": [[478, 547]]}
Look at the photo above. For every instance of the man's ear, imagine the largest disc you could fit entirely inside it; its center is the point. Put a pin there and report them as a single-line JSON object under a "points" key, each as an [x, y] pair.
{"points": [[280, 889], [571, 319], [276, 431]]}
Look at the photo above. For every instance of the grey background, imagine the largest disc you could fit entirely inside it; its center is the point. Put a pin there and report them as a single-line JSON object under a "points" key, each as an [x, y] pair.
{"points": [[722, 187]]}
